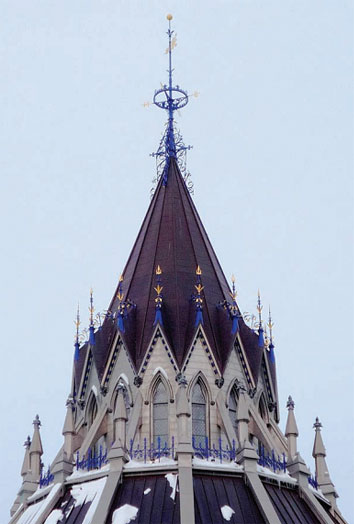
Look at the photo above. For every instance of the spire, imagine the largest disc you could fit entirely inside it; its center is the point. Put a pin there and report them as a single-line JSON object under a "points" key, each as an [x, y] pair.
{"points": [[158, 299], [69, 427], [197, 298], [170, 98], [77, 325], [26, 461], [92, 327], [291, 431], [260, 328], [322, 474], [123, 306], [36, 449]]}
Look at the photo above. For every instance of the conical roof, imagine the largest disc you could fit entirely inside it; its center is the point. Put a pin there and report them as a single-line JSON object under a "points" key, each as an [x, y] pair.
{"points": [[173, 237]]}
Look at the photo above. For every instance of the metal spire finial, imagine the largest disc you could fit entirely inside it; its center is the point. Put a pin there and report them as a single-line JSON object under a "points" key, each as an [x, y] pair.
{"points": [[170, 98], [158, 299], [260, 327], [77, 326], [270, 325], [91, 308], [317, 425], [290, 403]]}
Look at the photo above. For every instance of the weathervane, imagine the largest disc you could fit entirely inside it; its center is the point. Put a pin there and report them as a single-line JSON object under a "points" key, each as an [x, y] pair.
{"points": [[171, 98]]}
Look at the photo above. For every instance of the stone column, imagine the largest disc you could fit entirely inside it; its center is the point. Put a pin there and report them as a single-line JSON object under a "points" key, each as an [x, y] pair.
{"points": [[184, 453], [118, 453]]}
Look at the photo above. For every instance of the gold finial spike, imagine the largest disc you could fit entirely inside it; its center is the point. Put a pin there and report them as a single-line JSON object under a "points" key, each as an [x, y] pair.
{"points": [[198, 271], [158, 270], [158, 289], [169, 17], [121, 278], [233, 280]]}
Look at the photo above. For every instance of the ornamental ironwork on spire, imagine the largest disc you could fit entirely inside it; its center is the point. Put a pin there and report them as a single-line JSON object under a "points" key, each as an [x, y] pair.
{"points": [[171, 98], [158, 299], [260, 327]]}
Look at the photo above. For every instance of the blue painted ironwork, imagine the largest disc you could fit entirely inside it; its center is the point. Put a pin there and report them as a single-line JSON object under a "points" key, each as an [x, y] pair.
{"points": [[158, 299], [197, 299], [313, 481], [171, 98], [206, 451], [93, 460], [271, 461], [150, 452], [232, 309], [46, 479], [124, 306]]}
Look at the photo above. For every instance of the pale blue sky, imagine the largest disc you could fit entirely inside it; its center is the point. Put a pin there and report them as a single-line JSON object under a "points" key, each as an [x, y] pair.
{"points": [[272, 167]]}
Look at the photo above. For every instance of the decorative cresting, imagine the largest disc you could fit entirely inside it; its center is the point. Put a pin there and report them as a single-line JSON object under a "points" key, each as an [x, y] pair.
{"points": [[232, 308], [197, 299], [171, 98], [124, 306], [158, 299]]}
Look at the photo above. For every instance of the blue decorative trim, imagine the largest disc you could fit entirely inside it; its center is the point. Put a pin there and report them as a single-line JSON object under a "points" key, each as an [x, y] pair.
{"points": [[270, 460], [46, 479], [151, 452], [92, 461], [205, 451]]}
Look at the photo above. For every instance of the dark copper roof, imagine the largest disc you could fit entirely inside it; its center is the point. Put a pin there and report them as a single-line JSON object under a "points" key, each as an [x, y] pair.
{"points": [[173, 237]]}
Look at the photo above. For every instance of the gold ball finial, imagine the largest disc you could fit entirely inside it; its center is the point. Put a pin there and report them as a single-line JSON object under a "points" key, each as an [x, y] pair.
{"points": [[169, 17]]}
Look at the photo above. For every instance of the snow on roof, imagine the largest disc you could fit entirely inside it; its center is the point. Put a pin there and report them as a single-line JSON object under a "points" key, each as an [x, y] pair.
{"points": [[35, 512], [54, 517], [213, 464], [227, 512], [172, 480], [284, 477], [124, 514]]}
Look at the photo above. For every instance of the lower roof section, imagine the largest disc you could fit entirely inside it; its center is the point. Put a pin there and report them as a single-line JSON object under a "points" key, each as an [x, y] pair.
{"points": [[290, 507], [151, 499], [221, 499]]}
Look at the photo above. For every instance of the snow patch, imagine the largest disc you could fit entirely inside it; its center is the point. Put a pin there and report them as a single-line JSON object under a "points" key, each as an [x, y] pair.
{"points": [[157, 463], [172, 480], [227, 512], [215, 464], [124, 514], [147, 491], [78, 473], [161, 370], [35, 512], [55, 516], [94, 389], [285, 477], [124, 377]]}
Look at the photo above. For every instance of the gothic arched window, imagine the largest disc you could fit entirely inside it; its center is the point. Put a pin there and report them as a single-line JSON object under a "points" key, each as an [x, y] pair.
{"points": [[262, 408], [160, 415], [92, 411], [199, 426], [233, 408]]}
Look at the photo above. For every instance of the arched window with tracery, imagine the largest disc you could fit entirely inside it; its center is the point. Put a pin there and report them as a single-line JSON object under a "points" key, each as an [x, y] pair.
{"points": [[199, 423], [160, 415], [233, 400]]}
